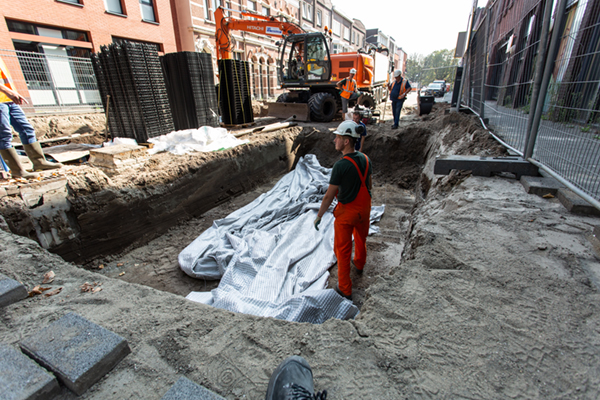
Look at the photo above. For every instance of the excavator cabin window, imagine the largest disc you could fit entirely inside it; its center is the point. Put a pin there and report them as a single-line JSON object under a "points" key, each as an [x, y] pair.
{"points": [[305, 57]]}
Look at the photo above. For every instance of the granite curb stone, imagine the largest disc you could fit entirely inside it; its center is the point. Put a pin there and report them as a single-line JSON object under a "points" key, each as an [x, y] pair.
{"points": [[23, 379], [184, 389], [11, 291], [78, 351]]}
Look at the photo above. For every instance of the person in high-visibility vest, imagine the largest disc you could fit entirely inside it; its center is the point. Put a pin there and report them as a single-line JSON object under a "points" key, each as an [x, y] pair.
{"points": [[11, 114], [399, 88], [348, 88], [351, 183]]}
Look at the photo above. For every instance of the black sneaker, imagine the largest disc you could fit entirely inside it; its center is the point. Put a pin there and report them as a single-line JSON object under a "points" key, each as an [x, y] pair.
{"points": [[394, 126], [293, 380]]}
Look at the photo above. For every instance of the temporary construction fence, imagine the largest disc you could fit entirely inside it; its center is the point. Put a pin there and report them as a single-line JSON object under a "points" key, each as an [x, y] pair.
{"points": [[52, 81], [532, 71]]}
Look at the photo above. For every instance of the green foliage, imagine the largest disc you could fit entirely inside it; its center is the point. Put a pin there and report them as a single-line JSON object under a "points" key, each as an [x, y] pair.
{"points": [[436, 66], [586, 129]]}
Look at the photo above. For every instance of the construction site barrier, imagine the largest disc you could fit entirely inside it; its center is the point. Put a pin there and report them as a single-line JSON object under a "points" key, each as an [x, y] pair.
{"points": [[532, 72]]}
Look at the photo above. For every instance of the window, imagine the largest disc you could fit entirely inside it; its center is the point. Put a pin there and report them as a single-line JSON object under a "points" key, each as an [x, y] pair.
{"points": [[346, 33], [113, 6], [266, 11], [251, 5], [307, 12], [147, 7], [319, 18], [24, 27], [70, 1], [337, 27], [353, 37], [207, 10]]}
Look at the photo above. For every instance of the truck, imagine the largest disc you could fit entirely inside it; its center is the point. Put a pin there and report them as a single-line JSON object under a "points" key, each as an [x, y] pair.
{"points": [[305, 66]]}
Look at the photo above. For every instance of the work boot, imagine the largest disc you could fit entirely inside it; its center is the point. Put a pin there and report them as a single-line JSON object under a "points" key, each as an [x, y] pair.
{"points": [[338, 291], [293, 380], [11, 158], [36, 155], [358, 271]]}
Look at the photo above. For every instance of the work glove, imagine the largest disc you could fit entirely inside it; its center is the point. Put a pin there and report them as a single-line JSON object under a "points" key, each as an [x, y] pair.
{"points": [[317, 222]]}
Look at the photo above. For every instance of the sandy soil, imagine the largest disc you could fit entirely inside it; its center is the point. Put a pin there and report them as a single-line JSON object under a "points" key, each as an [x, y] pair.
{"points": [[476, 290]]}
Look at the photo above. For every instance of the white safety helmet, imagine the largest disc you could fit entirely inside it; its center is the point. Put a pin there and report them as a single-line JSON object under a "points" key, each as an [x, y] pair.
{"points": [[397, 73], [349, 128], [353, 71]]}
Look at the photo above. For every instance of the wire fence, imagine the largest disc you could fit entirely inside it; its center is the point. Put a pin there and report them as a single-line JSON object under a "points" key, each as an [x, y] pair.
{"points": [[53, 82], [533, 73]]}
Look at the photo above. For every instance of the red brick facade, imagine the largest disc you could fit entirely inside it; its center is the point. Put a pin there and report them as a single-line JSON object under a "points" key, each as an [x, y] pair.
{"points": [[91, 17]]}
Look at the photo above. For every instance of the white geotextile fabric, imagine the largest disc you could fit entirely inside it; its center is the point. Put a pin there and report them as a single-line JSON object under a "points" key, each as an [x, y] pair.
{"points": [[203, 139], [271, 260]]}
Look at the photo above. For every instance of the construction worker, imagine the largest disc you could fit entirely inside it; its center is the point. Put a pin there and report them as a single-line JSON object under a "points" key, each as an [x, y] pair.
{"points": [[348, 90], [399, 88], [351, 183], [12, 114]]}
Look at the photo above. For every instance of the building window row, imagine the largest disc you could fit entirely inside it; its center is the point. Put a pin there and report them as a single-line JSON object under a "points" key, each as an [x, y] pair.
{"points": [[147, 8]]}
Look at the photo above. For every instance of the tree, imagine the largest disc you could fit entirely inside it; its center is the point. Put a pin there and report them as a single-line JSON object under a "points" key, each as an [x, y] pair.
{"points": [[438, 65]]}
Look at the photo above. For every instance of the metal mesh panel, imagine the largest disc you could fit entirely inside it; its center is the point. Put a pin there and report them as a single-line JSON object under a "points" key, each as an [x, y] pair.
{"points": [[568, 138], [53, 83], [504, 51]]}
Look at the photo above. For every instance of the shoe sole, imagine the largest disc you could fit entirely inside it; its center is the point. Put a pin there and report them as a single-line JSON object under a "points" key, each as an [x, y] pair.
{"points": [[284, 363]]}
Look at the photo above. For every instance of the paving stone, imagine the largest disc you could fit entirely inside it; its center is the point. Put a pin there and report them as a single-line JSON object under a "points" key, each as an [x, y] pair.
{"points": [[184, 389], [541, 186], [23, 379], [78, 351], [576, 204], [11, 291], [484, 166]]}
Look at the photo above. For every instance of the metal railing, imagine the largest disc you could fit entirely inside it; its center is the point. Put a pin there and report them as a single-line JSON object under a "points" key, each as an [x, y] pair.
{"points": [[53, 83], [533, 73]]}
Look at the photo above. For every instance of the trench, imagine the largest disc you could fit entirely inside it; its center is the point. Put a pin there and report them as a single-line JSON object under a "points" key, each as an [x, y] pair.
{"points": [[135, 232]]}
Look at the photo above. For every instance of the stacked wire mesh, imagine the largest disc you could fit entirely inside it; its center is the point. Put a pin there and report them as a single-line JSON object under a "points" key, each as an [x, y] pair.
{"points": [[190, 82], [234, 92], [131, 74]]}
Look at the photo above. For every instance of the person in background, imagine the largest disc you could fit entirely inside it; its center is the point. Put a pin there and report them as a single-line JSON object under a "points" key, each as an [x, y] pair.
{"points": [[348, 88], [399, 88], [11, 115], [356, 117]]}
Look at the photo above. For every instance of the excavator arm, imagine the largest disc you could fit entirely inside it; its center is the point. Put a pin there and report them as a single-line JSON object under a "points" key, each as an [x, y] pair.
{"points": [[263, 25]]}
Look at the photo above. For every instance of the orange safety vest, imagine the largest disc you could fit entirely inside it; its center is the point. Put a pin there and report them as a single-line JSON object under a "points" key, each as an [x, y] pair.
{"points": [[403, 91], [6, 80], [348, 88]]}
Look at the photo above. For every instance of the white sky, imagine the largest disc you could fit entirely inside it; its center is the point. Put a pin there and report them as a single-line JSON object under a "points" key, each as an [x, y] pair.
{"points": [[418, 26]]}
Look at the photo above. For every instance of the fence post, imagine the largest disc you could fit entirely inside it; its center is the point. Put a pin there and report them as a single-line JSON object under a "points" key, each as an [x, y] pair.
{"points": [[539, 72], [552, 52], [484, 63], [468, 44]]}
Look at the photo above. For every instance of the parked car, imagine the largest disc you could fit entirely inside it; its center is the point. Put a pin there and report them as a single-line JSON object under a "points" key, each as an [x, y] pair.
{"points": [[442, 84], [435, 89]]}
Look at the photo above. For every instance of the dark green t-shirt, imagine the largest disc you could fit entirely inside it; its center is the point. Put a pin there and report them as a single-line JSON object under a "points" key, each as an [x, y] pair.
{"points": [[345, 176]]}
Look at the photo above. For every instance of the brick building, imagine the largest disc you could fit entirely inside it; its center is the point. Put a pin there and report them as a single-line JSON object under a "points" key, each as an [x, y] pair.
{"points": [[36, 36], [40, 38]]}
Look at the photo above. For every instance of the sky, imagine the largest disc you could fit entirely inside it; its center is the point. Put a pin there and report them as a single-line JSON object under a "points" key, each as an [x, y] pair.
{"points": [[418, 26]]}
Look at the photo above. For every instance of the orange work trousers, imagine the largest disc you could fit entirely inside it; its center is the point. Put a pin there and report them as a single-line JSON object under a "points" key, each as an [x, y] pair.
{"points": [[352, 219]]}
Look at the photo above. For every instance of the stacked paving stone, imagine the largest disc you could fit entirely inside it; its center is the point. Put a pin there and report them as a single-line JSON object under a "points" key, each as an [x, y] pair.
{"points": [[113, 160]]}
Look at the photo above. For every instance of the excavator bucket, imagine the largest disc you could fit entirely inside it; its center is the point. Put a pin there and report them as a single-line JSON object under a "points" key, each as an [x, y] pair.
{"points": [[287, 110]]}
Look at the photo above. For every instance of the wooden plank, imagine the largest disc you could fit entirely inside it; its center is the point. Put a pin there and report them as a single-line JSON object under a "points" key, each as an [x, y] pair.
{"points": [[286, 110], [69, 152]]}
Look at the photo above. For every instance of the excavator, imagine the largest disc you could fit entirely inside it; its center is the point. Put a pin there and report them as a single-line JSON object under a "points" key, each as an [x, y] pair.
{"points": [[305, 66]]}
